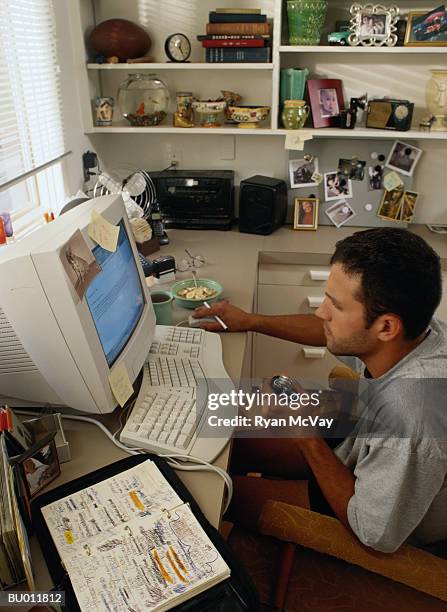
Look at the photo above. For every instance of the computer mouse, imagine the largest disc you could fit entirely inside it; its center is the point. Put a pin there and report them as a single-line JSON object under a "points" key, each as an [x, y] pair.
{"points": [[192, 322]]}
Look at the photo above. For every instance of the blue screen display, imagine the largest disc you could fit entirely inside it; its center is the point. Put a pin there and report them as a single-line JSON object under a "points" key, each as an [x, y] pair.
{"points": [[115, 297]]}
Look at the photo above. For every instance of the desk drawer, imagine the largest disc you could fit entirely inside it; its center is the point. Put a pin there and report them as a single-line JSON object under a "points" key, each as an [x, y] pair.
{"points": [[286, 299], [273, 356], [291, 274]]}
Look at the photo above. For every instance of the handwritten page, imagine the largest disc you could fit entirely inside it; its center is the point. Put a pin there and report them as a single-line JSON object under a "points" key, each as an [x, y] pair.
{"points": [[391, 181], [120, 383], [133, 544], [103, 232]]}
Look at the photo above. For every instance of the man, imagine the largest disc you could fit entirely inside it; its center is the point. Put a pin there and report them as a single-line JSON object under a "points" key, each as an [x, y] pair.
{"points": [[387, 480]]}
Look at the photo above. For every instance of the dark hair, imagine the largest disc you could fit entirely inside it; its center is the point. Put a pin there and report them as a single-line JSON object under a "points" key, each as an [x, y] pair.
{"points": [[400, 273]]}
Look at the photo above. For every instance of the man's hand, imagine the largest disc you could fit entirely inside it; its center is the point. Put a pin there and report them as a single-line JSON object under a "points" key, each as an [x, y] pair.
{"points": [[234, 318]]}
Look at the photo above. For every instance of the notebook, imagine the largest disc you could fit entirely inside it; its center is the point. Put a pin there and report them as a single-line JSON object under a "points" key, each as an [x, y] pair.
{"points": [[130, 543]]}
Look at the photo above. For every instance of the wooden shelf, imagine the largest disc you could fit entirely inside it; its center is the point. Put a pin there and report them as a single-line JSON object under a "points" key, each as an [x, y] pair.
{"points": [[124, 128], [360, 49], [183, 66]]}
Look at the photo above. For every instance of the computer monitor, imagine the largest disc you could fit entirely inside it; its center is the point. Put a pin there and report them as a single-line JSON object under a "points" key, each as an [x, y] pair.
{"points": [[55, 347]]}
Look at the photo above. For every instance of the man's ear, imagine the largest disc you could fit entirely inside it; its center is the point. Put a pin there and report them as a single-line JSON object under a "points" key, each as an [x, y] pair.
{"points": [[388, 326]]}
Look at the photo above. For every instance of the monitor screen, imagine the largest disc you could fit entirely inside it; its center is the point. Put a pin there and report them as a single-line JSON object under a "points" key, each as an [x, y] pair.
{"points": [[115, 296]]}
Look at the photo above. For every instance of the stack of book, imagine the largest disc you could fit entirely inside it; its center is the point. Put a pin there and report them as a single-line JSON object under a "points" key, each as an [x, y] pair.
{"points": [[236, 35]]}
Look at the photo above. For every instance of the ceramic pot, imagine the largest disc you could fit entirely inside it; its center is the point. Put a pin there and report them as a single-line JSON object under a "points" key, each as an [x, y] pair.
{"points": [[294, 114], [306, 20], [248, 116], [143, 99], [436, 97], [184, 115], [209, 111]]}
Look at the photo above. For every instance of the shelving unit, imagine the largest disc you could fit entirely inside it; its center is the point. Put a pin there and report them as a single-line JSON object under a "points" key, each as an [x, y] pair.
{"points": [[375, 69]]}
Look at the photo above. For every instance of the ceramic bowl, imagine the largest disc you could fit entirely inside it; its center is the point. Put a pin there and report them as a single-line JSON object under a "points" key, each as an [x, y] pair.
{"points": [[248, 114], [209, 106], [204, 282]]}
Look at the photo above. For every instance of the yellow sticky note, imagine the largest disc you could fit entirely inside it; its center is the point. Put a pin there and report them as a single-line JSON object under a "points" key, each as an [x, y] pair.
{"points": [[120, 383], [103, 232], [295, 139], [391, 181]]}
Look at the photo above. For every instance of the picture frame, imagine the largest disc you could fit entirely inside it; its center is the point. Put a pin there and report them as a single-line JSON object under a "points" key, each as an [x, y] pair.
{"points": [[373, 25], [336, 186], [403, 157], [39, 466], [301, 172], [426, 29], [306, 214], [326, 101], [340, 212]]}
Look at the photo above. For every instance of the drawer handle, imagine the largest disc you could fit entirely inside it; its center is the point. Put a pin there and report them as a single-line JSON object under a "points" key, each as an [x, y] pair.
{"points": [[314, 353], [315, 301], [319, 275]]}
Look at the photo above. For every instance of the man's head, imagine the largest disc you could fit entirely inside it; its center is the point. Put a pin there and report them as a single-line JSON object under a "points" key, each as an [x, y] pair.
{"points": [[385, 285]]}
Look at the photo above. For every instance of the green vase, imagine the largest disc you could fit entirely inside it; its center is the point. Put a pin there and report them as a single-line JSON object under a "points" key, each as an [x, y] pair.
{"points": [[292, 84], [306, 20]]}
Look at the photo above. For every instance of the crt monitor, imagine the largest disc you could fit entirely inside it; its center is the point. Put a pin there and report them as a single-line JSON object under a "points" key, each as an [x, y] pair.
{"points": [[55, 346]]}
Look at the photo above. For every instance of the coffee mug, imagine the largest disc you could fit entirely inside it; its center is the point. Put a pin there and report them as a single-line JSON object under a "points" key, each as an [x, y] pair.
{"points": [[162, 303]]}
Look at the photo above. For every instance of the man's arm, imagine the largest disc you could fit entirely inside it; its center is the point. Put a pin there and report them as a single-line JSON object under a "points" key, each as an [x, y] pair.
{"points": [[304, 329], [336, 481]]}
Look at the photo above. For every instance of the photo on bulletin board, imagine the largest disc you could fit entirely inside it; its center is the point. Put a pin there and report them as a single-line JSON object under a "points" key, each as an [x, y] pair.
{"points": [[326, 101], [336, 186], [306, 214], [301, 172], [390, 207], [340, 212], [427, 29], [40, 468], [403, 158], [375, 177]]}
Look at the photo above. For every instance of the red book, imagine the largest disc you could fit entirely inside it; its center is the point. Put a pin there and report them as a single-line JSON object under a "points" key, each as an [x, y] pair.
{"points": [[253, 42], [237, 28]]}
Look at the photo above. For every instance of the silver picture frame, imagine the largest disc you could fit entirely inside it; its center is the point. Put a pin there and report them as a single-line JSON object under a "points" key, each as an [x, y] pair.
{"points": [[373, 25]]}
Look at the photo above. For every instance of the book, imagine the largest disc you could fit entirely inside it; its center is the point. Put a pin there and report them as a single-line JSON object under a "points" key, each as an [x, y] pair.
{"points": [[247, 42], [237, 55], [236, 17], [246, 11], [237, 28], [129, 542], [233, 37]]}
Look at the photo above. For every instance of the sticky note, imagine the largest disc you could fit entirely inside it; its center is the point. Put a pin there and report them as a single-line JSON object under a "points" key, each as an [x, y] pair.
{"points": [[295, 139], [391, 181], [120, 383], [103, 232]]}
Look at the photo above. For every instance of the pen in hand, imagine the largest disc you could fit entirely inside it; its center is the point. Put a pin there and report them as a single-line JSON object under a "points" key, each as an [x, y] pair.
{"points": [[218, 319]]}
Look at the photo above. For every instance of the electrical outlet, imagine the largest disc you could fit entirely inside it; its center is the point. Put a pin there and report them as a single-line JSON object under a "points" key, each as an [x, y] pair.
{"points": [[173, 155]]}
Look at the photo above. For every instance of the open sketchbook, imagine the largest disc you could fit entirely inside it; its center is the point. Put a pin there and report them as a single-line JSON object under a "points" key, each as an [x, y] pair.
{"points": [[130, 543]]}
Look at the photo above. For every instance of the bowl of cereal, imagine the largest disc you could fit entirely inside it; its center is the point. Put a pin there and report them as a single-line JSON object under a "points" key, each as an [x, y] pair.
{"points": [[188, 295]]}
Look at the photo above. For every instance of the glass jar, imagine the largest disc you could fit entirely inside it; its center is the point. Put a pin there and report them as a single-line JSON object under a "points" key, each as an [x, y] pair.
{"points": [[294, 114], [143, 99]]}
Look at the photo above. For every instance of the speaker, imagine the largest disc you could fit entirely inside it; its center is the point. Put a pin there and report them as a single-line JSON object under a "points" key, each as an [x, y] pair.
{"points": [[262, 204]]}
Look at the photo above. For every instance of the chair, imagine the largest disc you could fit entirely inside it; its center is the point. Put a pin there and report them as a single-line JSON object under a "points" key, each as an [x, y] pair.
{"points": [[303, 560]]}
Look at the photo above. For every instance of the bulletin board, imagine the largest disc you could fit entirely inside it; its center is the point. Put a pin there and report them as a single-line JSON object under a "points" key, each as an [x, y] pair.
{"points": [[364, 202]]}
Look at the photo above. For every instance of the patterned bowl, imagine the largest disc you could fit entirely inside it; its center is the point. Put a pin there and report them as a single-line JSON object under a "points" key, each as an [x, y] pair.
{"points": [[208, 111], [248, 116]]}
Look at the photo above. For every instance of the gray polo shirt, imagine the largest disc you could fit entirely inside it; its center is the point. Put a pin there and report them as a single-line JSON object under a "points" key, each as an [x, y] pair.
{"points": [[398, 450]]}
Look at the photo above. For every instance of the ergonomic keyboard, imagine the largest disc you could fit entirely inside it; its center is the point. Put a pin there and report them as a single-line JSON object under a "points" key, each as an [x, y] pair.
{"points": [[171, 408]]}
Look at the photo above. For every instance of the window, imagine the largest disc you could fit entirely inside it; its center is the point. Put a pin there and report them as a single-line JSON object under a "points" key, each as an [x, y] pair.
{"points": [[31, 131]]}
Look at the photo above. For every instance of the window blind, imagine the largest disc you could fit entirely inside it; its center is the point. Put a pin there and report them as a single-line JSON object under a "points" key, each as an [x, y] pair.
{"points": [[31, 132]]}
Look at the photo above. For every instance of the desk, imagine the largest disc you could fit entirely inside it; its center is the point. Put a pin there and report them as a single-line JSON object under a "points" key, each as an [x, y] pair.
{"points": [[232, 259]]}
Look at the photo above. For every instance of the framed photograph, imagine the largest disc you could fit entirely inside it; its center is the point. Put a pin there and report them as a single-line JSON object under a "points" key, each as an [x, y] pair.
{"points": [[326, 101], [336, 186], [301, 172], [403, 158], [340, 212], [373, 25], [427, 29], [306, 214], [375, 177], [408, 206], [39, 468], [390, 207]]}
